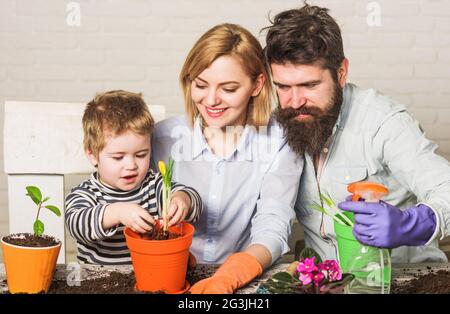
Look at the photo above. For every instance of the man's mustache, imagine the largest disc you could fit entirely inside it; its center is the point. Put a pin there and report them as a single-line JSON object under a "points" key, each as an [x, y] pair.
{"points": [[290, 113]]}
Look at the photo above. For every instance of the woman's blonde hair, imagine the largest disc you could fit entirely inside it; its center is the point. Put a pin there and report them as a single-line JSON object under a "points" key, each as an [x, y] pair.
{"points": [[229, 40], [113, 113]]}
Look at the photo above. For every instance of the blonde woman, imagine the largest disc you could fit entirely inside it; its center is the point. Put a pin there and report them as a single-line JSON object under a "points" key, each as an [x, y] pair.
{"points": [[225, 147]]}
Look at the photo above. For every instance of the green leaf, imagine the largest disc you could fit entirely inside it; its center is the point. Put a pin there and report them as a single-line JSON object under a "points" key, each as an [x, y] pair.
{"points": [[318, 207], [45, 199], [308, 253], [278, 287], [38, 227], [327, 199], [170, 169], [336, 286], [35, 194], [54, 209], [171, 161], [283, 277]]}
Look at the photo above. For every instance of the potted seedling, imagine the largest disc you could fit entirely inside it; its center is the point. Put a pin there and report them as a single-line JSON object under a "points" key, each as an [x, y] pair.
{"points": [[308, 275], [30, 258], [160, 257]]}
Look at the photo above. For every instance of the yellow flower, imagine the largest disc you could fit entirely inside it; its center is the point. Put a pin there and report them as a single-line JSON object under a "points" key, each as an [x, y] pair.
{"points": [[162, 167]]}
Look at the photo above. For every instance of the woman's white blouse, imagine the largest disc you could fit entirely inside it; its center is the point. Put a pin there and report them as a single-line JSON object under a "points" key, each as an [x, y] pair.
{"points": [[248, 196]]}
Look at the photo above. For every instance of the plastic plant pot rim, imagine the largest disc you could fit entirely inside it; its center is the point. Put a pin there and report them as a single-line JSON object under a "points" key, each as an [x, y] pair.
{"points": [[130, 233], [344, 231], [29, 247]]}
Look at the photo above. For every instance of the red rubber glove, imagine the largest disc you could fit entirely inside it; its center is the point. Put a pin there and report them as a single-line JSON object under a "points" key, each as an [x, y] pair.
{"points": [[237, 271]]}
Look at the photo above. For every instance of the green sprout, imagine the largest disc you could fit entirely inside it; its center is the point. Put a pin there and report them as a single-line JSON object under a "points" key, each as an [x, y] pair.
{"points": [[167, 189], [35, 194], [330, 209]]}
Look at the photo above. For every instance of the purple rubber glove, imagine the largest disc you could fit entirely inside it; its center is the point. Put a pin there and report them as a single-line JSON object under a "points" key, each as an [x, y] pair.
{"points": [[385, 226]]}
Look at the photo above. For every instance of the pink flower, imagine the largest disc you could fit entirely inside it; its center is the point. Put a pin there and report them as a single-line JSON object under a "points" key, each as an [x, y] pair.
{"points": [[307, 265], [335, 274], [329, 264], [306, 278], [317, 278], [331, 269], [309, 272]]}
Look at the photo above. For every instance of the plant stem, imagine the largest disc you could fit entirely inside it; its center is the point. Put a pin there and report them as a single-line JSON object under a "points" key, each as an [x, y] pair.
{"points": [[38, 211], [164, 204], [336, 213], [167, 193], [346, 219], [337, 219]]}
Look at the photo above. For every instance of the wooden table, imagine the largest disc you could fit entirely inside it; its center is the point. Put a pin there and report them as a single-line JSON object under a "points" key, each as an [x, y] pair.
{"points": [[400, 272]]}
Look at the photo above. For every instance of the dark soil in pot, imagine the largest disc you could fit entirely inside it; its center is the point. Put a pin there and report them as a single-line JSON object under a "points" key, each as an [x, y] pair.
{"points": [[30, 240], [160, 234]]}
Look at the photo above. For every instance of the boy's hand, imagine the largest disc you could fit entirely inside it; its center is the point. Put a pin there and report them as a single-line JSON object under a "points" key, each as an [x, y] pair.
{"points": [[130, 215], [179, 207]]}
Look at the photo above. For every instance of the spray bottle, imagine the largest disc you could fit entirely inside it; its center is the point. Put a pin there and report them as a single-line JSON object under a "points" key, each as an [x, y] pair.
{"points": [[370, 265]]}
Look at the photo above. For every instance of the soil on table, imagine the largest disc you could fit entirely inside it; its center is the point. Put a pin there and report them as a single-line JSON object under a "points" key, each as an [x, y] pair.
{"points": [[30, 240], [115, 283], [118, 283], [435, 282]]}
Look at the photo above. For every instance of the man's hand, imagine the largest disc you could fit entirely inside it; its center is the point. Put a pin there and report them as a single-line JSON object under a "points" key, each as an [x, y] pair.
{"points": [[386, 226]]}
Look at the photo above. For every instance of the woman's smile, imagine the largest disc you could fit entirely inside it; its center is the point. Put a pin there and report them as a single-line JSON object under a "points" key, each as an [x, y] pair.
{"points": [[215, 112]]}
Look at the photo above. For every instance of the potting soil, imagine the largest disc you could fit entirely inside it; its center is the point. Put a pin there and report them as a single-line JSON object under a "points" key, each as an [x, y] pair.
{"points": [[118, 283], [435, 282], [160, 234], [30, 240]]}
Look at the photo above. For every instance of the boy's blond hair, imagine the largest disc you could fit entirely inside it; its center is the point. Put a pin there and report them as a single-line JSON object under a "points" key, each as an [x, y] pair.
{"points": [[113, 113], [229, 40]]}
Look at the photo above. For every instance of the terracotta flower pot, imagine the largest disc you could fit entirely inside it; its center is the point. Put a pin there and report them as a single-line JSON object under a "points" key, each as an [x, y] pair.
{"points": [[29, 269], [161, 265]]}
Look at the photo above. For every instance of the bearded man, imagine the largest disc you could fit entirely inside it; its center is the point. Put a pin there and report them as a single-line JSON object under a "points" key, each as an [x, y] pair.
{"points": [[347, 134]]}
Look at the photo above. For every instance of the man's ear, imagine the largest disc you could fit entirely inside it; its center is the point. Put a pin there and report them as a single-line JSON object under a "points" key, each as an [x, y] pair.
{"points": [[91, 157], [343, 72], [259, 84]]}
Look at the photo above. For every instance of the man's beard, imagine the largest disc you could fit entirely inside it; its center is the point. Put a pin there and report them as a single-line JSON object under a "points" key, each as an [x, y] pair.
{"points": [[310, 136]]}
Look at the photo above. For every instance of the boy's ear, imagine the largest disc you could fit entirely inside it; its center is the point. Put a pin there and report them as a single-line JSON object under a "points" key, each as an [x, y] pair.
{"points": [[91, 157]]}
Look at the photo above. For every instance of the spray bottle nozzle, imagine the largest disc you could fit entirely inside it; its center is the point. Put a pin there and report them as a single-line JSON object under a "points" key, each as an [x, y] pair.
{"points": [[369, 191]]}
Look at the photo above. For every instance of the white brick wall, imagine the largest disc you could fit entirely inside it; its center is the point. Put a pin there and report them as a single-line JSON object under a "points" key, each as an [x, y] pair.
{"points": [[140, 45]]}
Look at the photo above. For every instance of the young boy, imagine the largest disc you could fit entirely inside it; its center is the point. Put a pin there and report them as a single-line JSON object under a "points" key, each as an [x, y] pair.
{"points": [[123, 191]]}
